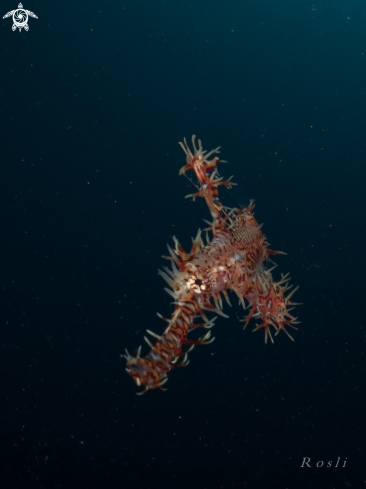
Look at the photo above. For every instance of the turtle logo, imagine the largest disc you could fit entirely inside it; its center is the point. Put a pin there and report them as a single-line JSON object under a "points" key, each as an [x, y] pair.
{"points": [[20, 18]]}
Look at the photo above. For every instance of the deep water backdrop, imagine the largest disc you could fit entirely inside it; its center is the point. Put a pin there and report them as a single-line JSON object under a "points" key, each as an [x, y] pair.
{"points": [[94, 98]]}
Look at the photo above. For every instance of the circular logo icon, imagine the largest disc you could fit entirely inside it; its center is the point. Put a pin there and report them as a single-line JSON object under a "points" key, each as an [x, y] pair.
{"points": [[20, 18]]}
